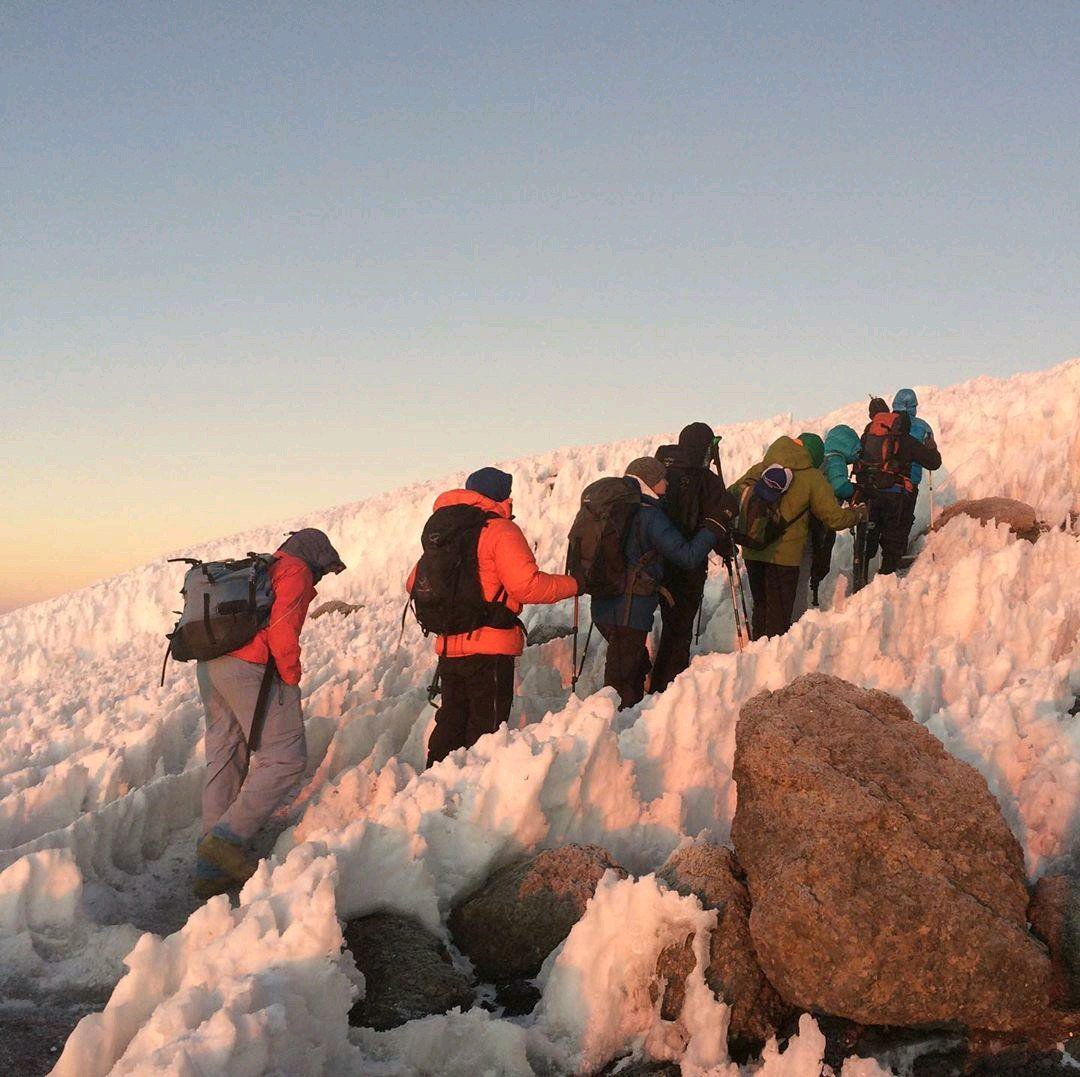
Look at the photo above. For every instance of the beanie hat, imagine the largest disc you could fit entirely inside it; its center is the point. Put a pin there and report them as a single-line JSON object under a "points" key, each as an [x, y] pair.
{"points": [[774, 483], [815, 447], [491, 482], [696, 437], [648, 469], [877, 406]]}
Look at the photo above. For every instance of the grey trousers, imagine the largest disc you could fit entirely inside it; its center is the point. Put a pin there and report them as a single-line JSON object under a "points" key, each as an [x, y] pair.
{"points": [[244, 788]]}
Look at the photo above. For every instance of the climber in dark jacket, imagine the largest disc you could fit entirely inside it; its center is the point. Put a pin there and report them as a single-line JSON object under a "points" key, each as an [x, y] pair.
{"points": [[693, 490], [625, 621]]}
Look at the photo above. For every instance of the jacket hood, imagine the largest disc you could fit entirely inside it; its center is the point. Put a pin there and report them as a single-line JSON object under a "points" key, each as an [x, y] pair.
{"points": [[315, 549], [471, 497], [788, 453], [843, 441], [813, 444], [906, 400]]}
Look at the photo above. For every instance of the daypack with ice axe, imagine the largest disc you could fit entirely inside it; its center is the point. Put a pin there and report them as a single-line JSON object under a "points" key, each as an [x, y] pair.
{"points": [[225, 604], [760, 522]]}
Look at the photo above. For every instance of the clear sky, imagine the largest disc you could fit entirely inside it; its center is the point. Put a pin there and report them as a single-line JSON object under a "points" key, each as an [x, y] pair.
{"points": [[262, 258]]}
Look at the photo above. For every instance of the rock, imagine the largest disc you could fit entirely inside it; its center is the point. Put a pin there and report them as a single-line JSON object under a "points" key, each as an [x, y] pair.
{"points": [[546, 633], [713, 875], [335, 606], [526, 909], [1055, 917], [885, 886], [408, 973], [1021, 518], [517, 998], [673, 965]]}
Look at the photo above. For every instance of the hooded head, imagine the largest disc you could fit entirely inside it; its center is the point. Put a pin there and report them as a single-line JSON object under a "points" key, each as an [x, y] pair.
{"points": [[316, 551], [647, 470], [844, 442], [491, 483], [697, 439], [877, 406], [906, 400], [814, 446]]}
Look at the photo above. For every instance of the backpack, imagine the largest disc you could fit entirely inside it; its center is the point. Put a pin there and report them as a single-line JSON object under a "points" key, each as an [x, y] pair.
{"points": [[596, 554], [880, 466], [447, 595], [760, 522], [685, 497], [225, 604]]}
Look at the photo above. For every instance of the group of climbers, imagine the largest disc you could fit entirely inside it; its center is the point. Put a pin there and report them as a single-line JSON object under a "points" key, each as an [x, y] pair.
{"points": [[795, 500], [651, 531]]}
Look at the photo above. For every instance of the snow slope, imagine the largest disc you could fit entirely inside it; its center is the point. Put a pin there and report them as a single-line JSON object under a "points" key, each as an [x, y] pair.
{"points": [[99, 771]]}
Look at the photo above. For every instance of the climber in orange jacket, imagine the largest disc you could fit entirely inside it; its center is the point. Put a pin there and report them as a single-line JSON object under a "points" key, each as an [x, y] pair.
{"points": [[476, 668]]}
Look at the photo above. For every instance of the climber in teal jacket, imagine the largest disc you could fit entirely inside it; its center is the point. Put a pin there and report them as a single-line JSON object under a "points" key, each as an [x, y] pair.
{"points": [[842, 449]]}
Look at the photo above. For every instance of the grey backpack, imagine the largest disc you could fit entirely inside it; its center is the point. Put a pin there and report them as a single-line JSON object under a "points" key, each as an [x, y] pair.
{"points": [[225, 604]]}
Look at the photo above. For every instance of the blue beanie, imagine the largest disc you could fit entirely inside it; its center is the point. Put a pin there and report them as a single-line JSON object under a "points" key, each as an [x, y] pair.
{"points": [[491, 482]]}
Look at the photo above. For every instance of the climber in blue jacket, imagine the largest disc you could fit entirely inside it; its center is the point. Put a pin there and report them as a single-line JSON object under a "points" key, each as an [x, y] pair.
{"points": [[906, 400]]}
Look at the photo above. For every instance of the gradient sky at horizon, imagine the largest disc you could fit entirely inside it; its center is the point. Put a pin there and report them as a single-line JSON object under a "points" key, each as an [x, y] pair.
{"points": [[257, 259]]}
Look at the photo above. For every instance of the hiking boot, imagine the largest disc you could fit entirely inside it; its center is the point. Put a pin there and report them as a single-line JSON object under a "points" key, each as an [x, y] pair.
{"points": [[204, 889], [227, 856]]}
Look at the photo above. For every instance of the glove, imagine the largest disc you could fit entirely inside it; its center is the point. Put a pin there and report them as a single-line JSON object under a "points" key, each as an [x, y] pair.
{"points": [[862, 512], [722, 545]]}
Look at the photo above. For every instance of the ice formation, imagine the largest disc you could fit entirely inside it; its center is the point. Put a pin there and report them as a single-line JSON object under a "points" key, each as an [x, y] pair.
{"points": [[100, 771]]}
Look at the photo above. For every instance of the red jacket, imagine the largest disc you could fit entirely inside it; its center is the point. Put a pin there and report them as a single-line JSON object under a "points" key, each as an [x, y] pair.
{"points": [[294, 588], [506, 562]]}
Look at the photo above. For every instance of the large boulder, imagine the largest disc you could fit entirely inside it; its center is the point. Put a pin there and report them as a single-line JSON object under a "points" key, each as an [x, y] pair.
{"points": [[1021, 518], [407, 972], [1055, 917], [886, 887], [712, 874], [526, 909]]}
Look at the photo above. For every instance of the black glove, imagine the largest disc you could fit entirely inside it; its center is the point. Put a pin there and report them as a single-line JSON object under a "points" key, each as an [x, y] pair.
{"points": [[723, 544]]}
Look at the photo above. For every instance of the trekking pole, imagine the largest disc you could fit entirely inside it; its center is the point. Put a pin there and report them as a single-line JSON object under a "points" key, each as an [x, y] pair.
{"points": [[697, 631], [740, 627], [931, 500], [584, 655], [573, 675], [742, 599]]}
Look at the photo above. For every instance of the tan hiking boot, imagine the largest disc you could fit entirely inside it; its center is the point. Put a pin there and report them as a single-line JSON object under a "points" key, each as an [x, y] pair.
{"points": [[205, 889], [227, 856]]}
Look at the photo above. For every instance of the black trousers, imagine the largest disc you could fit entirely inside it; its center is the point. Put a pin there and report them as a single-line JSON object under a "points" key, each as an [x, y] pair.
{"points": [[627, 663], [907, 518], [677, 632], [773, 588], [477, 692], [888, 530]]}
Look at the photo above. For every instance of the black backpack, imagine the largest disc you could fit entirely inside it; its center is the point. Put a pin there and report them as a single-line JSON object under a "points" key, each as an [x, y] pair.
{"points": [[596, 554], [684, 501], [225, 604], [447, 596]]}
